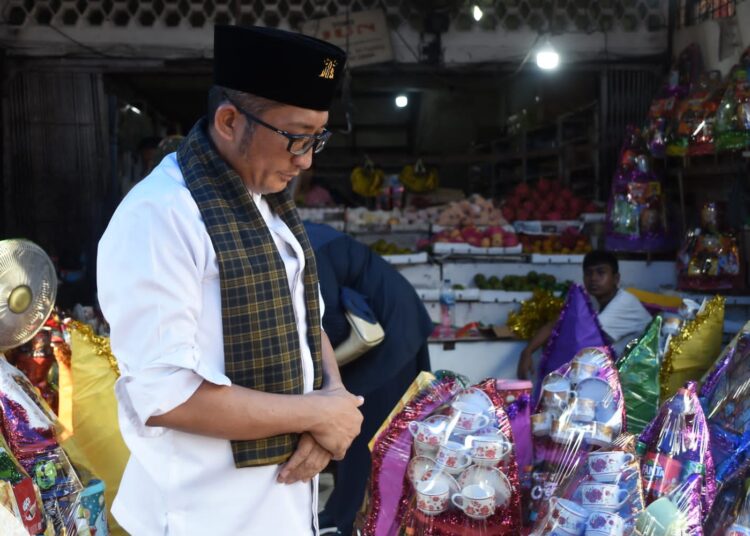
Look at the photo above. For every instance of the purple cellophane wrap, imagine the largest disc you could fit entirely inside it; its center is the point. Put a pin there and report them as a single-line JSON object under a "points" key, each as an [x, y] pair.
{"points": [[687, 497], [725, 396], [516, 397], [680, 430], [578, 327], [391, 497]]}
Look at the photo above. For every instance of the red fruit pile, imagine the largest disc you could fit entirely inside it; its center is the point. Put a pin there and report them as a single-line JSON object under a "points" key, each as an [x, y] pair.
{"points": [[548, 201], [493, 236]]}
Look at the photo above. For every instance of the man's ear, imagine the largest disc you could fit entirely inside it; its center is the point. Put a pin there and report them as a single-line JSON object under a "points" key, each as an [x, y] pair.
{"points": [[226, 122], [617, 279]]}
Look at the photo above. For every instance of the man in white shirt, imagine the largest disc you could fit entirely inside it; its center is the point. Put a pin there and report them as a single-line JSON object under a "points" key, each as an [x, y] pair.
{"points": [[229, 398], [621, 315]]}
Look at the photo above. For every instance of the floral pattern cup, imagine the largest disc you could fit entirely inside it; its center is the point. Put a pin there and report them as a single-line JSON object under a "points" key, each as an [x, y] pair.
{"points": [[609, 467], [476, 500], [432, 497], [453, 456], [567, 517], [467, 417], [426, 433], [489, 449], [605, 524], [602, 497]]}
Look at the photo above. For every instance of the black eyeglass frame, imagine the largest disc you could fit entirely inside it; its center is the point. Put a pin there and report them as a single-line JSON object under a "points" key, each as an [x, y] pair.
{"points": [[318, 140]]}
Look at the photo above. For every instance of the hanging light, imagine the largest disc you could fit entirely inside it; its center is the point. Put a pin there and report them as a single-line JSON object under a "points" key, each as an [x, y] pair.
{"points": [[547, 57], [477, 13], [402, 101]]}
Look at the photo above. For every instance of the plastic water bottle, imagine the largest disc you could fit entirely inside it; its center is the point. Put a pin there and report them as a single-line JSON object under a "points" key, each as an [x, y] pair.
{"points": [[447, 310]]}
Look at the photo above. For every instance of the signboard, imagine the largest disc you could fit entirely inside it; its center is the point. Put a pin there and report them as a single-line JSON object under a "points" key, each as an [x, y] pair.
{"points": [[363, 34]]}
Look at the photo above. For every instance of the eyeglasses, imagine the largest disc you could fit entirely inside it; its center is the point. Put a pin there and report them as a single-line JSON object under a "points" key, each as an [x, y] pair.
{"points": [[298, 144]]}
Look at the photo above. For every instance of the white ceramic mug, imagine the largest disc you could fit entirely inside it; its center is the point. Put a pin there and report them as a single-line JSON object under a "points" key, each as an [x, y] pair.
{"points": [[602, 497], [426, 433], [467, 417], [601, 435], [609, 466], [580, 371], [567, 517], [453, 455], [490, 449], [476, 500], [583, 409], [605, 524], [541, 423], [556, 395], [425, 449], [432, 497]]}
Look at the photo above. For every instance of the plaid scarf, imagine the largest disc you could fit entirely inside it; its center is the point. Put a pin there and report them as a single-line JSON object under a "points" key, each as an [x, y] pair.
{"points": [[261, 337]]}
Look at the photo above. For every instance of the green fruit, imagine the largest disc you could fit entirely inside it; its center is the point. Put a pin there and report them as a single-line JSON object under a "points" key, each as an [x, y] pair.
{"points": [[494, 281], [458, 287], [479, 279], [532, 277]]}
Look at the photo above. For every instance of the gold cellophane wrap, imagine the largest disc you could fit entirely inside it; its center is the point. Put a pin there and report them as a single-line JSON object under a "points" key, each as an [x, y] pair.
{"points": [[535, 312], [694, 349]]}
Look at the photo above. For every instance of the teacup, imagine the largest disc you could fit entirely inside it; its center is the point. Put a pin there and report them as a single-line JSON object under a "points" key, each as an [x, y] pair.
{"points": [[609, 466], [566, 517], [476, 500], [467, 417], [426, 433], [489, 449], [425, 449], [601, 435], [597, 496], [556, 395], [432, 497], [541, 423], [661, 518], [583, 409], [452, 455], [738, 530], [604, 524], [579, 371]]}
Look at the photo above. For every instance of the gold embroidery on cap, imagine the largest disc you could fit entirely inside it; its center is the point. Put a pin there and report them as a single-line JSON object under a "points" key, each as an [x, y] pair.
{"points": [[328, 67]]}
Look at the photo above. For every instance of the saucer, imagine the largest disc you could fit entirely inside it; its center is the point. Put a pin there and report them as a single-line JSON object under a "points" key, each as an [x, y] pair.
{"points": [[423, 469], [477, 398], [489, 476], [595, 389]]}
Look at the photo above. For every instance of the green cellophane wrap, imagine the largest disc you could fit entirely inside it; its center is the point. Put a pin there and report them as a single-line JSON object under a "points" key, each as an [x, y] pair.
{"points": [[639, 374]]}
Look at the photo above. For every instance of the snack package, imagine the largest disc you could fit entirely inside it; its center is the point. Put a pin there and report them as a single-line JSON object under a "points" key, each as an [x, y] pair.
{"points": [[639, 375], [581, 407], [576, 328], [693, 350], [709, 258], [678, 513], [692, 111], [18, 494], [636, 214], [733, 116], [445, 465], [675, 446], [602, 495], [725, 396]]}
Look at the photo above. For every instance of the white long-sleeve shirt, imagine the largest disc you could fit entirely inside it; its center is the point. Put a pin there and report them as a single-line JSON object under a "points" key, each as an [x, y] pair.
{"points": [[158, 283]]}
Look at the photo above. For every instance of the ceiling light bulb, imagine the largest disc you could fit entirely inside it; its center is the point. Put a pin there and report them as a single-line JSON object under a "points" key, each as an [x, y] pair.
{"points": [[547, 57], [477, 13], [402, 101]]}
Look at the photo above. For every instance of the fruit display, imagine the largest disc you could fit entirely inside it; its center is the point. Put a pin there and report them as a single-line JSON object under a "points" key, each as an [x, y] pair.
{"points": [[381, 247], [490, 237], [476, 210], [382, 218], [571, 241], [367, 179], [548, 200], [528, 282], [418, 178]]}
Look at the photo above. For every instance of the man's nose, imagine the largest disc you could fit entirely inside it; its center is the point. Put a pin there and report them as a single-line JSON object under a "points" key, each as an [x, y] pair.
{"points": [[304, 161]]}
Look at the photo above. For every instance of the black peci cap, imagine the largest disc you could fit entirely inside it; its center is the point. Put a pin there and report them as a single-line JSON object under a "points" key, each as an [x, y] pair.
{"points": [[286, 67]]}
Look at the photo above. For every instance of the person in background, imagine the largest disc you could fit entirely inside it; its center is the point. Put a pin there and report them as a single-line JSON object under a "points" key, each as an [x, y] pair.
{"points": [[230, 398], [382, 374], [621, 315]]}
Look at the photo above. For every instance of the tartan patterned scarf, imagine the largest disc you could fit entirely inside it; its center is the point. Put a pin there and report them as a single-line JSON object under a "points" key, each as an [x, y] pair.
{"points": [[261, 338]]}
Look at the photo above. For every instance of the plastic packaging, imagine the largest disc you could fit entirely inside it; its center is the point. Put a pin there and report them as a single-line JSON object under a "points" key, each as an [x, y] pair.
{"points": [[581, 407], [639, 374], [447, 310], [676, 446], [601, 497], [444, 464], [677, 513], [725, 395]]}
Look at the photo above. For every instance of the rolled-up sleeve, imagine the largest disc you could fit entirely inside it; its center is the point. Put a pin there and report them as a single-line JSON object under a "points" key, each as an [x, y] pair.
{"points": [[151, 267]]}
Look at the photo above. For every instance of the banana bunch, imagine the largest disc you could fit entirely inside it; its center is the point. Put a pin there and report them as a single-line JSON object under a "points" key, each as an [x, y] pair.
{"points": [[418, 178], [367, 180]]}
